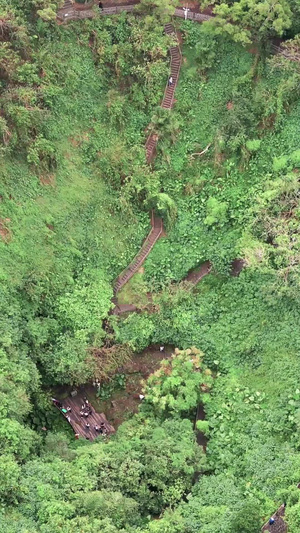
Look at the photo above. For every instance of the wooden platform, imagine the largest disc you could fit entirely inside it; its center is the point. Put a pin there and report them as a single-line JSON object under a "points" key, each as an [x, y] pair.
{"points": [[79, 422]]}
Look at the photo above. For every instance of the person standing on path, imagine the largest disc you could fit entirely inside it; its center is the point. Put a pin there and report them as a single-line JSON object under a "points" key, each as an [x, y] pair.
{"points": [[186, 10], [170, 81]]}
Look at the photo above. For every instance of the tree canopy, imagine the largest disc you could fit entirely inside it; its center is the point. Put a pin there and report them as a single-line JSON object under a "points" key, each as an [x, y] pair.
{"points": [[78, 101]]}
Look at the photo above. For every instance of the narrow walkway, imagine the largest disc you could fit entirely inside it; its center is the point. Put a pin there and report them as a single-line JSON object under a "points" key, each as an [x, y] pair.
{"points": [[197, 274], [120, 309], [72, 11], [168, 99], [279, 525], [193, 277], [151, 143], [154, 235]]}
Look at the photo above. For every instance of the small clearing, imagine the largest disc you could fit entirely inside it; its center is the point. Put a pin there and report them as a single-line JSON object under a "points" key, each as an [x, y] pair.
{"points": [[124, 403]]}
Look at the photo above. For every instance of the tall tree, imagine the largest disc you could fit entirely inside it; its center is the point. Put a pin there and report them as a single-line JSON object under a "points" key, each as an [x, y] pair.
{"points": [[250, 20]]}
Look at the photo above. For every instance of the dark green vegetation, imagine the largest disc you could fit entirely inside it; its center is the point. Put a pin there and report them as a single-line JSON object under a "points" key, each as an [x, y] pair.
{"points": [[76, 102]]}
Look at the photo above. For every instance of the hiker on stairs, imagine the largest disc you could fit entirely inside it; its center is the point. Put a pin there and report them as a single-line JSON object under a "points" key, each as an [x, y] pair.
{"points": [[170, 81]]}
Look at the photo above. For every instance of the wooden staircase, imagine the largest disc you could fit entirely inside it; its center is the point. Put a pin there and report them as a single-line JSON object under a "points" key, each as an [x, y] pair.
{"points": [[70, 12], [67, 4], [175, 64], [168, 99], [151, 143], [154, 235], [150, 146]]}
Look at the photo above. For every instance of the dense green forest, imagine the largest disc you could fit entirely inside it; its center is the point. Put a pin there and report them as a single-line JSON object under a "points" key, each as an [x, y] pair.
{"points": [[78, 101]]}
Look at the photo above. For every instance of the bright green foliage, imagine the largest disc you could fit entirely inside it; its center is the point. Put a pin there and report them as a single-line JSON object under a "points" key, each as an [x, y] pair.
{"points": [[16, 439], [111, 505], [9, 478], [179, 384], [87, 305], [163, 9], [77, 104], [68, 361], [138, 329], [216, 212], [41, 154], [251, 19], [253, 145], [146, 467]]}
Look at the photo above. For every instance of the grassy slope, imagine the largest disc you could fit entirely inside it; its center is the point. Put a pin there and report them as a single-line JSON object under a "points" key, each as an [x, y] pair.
{"points": [[77, 217]]}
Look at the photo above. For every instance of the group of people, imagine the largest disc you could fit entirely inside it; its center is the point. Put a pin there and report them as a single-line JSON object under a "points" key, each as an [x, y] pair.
{"points": [[101, 429], [86, 409]]}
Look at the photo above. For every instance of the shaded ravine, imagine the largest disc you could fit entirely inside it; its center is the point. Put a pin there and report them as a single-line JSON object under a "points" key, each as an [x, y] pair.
{"points": [[72, 11]]}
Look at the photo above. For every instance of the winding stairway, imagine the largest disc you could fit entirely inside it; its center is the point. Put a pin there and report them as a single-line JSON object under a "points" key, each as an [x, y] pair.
{"points": [[133, 267], [168, 99], [151, 143], [71, 11]]}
